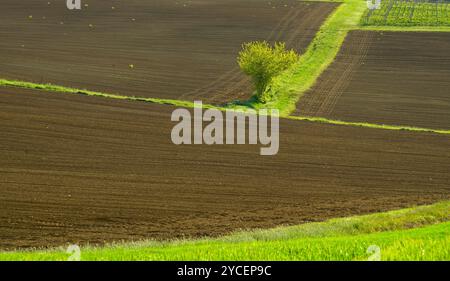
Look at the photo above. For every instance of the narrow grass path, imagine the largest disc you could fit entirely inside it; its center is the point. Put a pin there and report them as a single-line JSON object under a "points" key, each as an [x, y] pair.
{"points": [[369, 125], [188, 104], [419, 233], [62, 89], [407, 28]]}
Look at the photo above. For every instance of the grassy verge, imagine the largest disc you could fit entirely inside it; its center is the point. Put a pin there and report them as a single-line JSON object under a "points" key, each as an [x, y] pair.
{"points": [[419, 233], [370, 125], [61, 89]]}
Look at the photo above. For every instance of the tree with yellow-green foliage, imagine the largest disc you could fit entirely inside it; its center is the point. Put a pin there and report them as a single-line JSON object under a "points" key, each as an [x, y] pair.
{"points": [[262, 62]]}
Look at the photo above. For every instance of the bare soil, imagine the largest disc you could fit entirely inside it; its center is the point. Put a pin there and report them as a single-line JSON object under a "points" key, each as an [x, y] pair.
{"points": [[397, 78], [159, 48], [78, 169]]}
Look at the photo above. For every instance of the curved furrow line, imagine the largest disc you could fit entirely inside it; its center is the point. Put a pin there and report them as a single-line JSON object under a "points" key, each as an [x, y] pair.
{"points": [[343, 81]]}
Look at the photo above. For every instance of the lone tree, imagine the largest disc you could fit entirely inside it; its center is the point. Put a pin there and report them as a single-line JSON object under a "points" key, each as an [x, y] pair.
{"points": [[263, 62]]}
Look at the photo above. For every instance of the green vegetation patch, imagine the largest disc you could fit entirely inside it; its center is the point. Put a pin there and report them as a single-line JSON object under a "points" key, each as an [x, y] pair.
{"points": [[62, 89], [369, 125], [409, 13], [420, 233], [188, 104], [263, 62]]}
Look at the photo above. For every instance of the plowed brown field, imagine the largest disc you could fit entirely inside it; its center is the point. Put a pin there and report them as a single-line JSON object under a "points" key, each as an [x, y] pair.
{"points": [[82, 169], [158, 48], [386, 77]]}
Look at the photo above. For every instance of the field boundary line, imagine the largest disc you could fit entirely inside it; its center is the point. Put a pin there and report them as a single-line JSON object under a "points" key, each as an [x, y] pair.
{"points": [[369, 125], [189, 104], [405, 28], [62, 89]]}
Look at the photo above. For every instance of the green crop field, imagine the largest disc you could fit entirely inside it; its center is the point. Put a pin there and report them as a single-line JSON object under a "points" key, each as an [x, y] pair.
{"points": [[409, 13]]}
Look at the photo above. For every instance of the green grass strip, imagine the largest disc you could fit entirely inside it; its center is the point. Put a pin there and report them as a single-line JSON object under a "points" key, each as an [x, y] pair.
{"points": [[418, 233], [188, 104], [407, 28], [369, 125], [62, 89]]}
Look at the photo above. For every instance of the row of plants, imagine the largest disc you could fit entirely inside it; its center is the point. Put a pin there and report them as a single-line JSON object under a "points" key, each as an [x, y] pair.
{"points": [[408, 13]]}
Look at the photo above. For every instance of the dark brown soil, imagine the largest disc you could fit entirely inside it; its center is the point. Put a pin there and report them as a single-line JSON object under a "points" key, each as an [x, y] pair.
{"points": [[77, 169], [178, 49], [386, 77]]}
